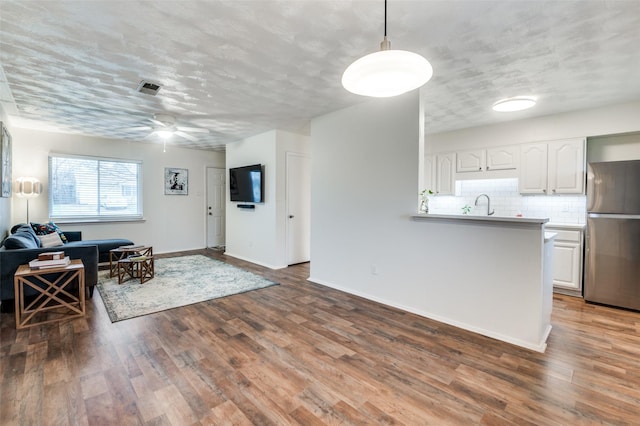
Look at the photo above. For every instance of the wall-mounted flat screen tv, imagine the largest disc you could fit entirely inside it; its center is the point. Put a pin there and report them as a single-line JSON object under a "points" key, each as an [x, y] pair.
{"points": [[246, 183]]}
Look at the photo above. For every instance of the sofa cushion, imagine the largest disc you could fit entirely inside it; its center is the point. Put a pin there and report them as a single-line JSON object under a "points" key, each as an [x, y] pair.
{"points": [[48, 228], [50, 240], [23, 238]]}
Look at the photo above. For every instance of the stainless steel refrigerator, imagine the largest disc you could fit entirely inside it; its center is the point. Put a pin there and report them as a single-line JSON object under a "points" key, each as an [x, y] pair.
{"points": [[612, 256]]}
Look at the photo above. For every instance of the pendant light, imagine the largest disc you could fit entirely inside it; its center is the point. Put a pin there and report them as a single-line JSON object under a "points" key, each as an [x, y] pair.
{"points": [[388, 72]]}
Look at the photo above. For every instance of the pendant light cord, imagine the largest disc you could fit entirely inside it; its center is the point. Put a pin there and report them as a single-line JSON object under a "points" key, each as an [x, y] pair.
{"points": [[385, 18], [385, 45]]}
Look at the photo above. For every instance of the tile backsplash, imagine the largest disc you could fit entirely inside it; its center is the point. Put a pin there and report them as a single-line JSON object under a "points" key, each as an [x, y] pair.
{"points": [[507, 201]]}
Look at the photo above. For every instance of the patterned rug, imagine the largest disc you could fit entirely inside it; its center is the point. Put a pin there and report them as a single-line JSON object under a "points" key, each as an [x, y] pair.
{"points": [[178, 281]]}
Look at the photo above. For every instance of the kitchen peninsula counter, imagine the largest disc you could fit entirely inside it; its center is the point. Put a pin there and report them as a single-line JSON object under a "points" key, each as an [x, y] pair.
{"points": [[488, 274], [506, 219]]}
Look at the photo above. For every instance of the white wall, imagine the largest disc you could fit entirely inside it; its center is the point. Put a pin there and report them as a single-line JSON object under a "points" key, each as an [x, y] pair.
{"points": [[172, 223], [614, 147], [251, 234], [365, 181], [5, 203], [622, 118], [363, 241], [259, 235]]}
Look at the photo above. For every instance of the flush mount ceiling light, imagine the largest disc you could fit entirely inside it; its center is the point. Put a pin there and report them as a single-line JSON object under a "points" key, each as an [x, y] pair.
{"points": [[388, 72], [514, 104]]}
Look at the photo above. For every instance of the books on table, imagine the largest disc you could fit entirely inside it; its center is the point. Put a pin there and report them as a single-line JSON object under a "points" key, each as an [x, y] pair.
{"points": [[51, 255], [49, 264]]}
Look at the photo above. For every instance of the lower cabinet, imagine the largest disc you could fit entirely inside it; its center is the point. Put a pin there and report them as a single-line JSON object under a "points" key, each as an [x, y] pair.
{"points": [[567, 260]]}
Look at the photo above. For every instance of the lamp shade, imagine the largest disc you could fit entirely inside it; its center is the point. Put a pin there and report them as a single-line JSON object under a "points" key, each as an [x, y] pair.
{"points": [[387, 73], [28, 187]]}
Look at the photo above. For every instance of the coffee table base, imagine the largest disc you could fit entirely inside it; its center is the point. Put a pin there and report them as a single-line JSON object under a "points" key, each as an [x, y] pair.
{"points": [[142, 269]]}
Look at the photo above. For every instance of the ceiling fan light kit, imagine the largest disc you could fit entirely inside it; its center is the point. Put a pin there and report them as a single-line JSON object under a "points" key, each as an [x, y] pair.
{"points": [[388, 72], [164, 126], [518, 103]]}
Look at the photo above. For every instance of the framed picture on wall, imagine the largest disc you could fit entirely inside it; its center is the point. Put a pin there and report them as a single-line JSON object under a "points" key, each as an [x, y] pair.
{"points": [[5, 161], [176, 181]]}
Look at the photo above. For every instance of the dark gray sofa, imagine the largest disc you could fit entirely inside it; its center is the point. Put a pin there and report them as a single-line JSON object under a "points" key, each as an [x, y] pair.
{"points": [[23, 246]]}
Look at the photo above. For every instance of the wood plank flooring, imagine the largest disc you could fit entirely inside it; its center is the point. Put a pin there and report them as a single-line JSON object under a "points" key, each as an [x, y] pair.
{"points": [[301, 353]]}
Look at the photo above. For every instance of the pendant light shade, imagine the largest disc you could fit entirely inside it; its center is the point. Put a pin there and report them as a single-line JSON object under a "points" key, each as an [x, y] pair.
{"points": [[388, 72]]}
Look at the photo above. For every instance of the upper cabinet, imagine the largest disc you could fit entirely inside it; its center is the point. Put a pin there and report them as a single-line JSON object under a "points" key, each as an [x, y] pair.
{"points": [[471, 161], [446, 174], [487, 160], [556, 167], [503, 158], [443, 175]]}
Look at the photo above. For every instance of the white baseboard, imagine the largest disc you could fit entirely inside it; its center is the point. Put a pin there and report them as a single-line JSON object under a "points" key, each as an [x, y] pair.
{"points": [[266, 265]]}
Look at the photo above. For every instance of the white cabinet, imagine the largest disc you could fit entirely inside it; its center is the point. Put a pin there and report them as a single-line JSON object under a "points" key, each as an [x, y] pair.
{"points": [[439, 173], [502, 158], [556, 167], [487, 160], [471, 161], [533, 168], [567, 166], [567, 260], [445, 174]]}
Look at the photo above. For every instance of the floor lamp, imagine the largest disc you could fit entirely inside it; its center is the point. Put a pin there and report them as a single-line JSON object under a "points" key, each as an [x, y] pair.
{"points": [[28, 187]]}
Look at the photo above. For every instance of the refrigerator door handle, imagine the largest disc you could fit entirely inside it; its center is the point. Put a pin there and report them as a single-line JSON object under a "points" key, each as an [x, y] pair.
{"points": [[613, 216]]}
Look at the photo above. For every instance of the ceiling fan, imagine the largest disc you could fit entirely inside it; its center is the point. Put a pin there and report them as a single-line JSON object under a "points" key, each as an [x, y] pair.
{"points": [[164, 125]]}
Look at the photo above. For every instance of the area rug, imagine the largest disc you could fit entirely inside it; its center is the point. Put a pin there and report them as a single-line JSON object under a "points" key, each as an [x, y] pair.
{"points": [[178, 281]]}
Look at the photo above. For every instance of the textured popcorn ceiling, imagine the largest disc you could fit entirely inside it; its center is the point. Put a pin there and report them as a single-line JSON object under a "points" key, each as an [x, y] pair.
{"points": [[239, 68]]}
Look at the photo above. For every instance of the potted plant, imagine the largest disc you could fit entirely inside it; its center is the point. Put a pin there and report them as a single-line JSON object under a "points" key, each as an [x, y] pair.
{"points": [[424, 200]]}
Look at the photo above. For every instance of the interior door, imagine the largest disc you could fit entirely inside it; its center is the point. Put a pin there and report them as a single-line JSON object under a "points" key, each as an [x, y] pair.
{"points": [[215, 207], [298, 188]]}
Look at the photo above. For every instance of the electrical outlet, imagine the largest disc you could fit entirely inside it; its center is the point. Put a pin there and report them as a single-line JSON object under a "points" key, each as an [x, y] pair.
{"points": [[374, 270]]}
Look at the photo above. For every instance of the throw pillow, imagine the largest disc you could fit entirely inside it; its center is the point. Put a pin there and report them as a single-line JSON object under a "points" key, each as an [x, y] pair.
{"points": [[21, 240], [48, 228], [50, 240]]}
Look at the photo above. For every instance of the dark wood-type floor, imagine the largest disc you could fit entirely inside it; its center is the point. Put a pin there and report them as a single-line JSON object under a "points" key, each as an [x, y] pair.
{"points": [[301, 353]]}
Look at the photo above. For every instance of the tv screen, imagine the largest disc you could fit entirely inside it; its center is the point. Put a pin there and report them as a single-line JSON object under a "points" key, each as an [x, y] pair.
{"points": [[245, 183]]}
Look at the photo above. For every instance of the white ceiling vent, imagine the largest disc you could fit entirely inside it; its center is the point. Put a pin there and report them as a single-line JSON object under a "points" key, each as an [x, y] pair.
{"points": [[149, 87]]}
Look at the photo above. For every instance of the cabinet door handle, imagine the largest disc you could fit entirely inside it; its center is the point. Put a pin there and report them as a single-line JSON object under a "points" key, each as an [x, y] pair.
{"points": [[480, 168], [553, 190], [544, 190], [488, 167]]}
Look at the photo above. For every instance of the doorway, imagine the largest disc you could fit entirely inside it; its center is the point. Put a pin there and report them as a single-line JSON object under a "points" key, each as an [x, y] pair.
{"points": [[216, 207], [298, 188]]}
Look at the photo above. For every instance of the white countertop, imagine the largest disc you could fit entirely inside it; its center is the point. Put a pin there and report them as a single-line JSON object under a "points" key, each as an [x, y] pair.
{"points": [[511, 219], [577, 226]]}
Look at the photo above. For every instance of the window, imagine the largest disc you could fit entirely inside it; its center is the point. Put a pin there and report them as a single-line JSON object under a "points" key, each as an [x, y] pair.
{"points": [[94, 189]]}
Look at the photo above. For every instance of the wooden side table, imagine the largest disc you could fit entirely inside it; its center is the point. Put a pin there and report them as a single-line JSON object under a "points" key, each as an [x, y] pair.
{"points": [[53, 293], [140, 267], [119, 253]]}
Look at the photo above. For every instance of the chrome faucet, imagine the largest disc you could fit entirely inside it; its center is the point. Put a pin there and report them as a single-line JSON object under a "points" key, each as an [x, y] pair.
{"points": [[489, 211]]}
